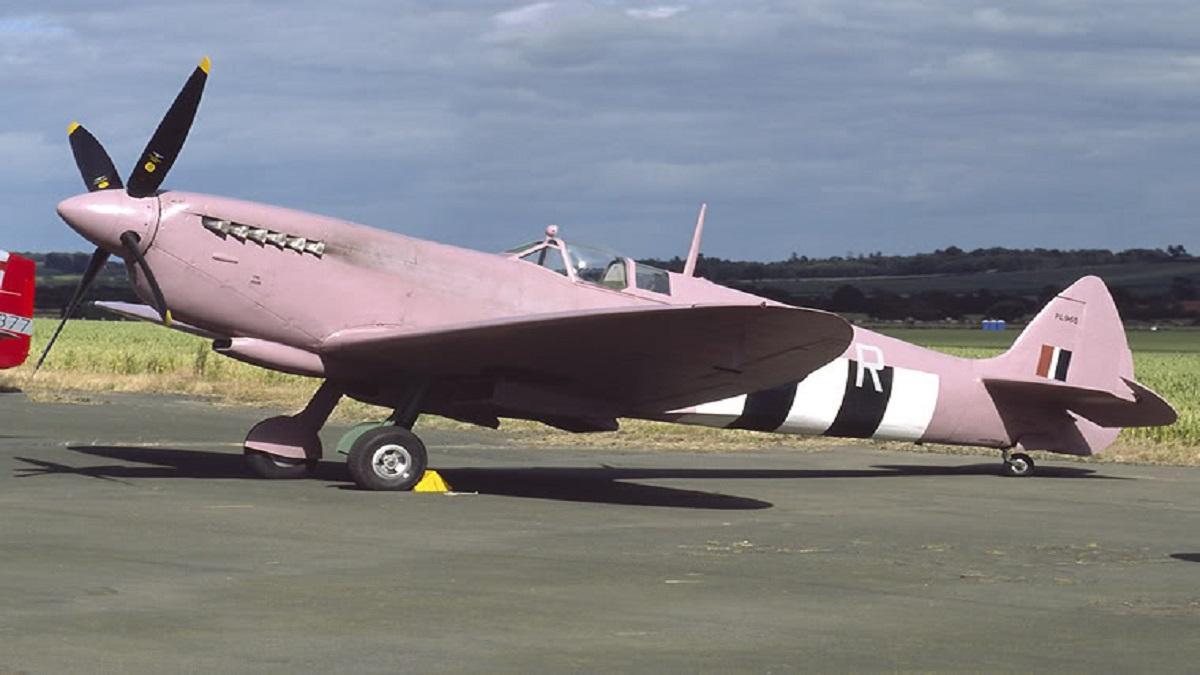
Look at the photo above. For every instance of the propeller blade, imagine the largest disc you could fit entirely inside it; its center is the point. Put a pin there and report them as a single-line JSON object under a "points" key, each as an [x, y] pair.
{"points": [[95, 264], [99, 258], [165, 144], [130, 240], [94, 164]]}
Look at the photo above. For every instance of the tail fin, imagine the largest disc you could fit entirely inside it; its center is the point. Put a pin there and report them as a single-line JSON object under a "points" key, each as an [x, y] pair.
{"points": [[16, 308], [1067, 384]]}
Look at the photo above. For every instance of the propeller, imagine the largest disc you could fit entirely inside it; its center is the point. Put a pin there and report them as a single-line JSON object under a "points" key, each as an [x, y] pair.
{"points": [[93, 162], [99, 173], [97, 262], [130, 240], [168, 138]]}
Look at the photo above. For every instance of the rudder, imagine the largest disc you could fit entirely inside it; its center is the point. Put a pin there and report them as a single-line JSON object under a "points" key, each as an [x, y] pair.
{"points": [[1066, 384], [1076, 339], [16, 308]]}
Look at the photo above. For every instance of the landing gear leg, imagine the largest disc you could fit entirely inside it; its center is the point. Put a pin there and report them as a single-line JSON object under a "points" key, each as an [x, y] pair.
{"points": [[1018, 464], [288, 446], [391, 457]]}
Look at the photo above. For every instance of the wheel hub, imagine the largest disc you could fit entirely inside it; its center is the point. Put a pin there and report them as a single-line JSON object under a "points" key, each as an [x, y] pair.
{"points": [[391, 462]]}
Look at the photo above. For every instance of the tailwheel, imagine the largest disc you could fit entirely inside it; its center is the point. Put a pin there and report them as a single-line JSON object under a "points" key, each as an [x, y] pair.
{"points": [[266, 465], [1018, 465], [387, 458]]}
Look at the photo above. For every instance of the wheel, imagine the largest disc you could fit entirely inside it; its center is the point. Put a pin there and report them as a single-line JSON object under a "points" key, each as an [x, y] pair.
{"points": [[1018, 465], [274, 467], [387, 458]]}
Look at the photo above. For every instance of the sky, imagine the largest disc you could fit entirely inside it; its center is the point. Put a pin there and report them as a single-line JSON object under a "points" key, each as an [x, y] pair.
{"points": [[819, 128]]}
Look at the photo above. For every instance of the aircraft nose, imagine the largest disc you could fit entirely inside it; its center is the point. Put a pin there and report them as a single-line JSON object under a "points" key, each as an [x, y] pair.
{"points": [[102, 216], [74, 211]]}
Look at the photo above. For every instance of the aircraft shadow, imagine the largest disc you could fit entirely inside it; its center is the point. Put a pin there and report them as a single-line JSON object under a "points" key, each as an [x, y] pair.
{"points": [[604, 484], [163, 463], [993, 469], [594, 485], [552, 484], [564, 482], [1187, 557]]}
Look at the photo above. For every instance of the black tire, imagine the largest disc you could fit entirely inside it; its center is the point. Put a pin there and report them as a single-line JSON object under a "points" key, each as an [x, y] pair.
{"points": [[387, 458], [1019, 465], [274, 467]]}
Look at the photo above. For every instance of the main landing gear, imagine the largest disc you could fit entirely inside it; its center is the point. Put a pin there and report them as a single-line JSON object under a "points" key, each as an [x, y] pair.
{"points": [[383, 458], [387, 458], [288, 446], [1018, 464]]}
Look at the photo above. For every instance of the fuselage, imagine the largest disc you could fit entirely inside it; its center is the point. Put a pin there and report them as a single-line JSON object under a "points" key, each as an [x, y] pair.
{"points": [[243, 284], [880, 388]]}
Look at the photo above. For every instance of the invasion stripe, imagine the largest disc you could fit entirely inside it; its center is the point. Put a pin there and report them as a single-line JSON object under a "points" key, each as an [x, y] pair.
{"points": [[911, 407], [720, 413], [766, 410], [818, 399], [862, 407], [829, 401]]}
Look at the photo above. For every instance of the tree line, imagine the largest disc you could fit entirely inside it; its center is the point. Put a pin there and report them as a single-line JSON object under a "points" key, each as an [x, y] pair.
{"points": [[950, 260], [1176, 297]]}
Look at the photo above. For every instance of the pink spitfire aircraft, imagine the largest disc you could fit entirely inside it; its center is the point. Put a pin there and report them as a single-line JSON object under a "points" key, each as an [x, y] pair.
{"points": [[566, 334], [16, 308]]}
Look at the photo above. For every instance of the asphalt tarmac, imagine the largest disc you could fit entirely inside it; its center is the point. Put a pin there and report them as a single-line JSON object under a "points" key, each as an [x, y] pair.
{"points": [[131, 540]]}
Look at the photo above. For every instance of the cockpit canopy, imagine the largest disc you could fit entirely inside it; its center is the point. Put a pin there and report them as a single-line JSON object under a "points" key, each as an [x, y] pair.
{"points": [[591, 264]]}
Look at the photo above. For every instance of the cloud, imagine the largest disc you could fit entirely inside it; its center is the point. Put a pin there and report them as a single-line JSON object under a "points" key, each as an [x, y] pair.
{"points": [[536, 13], [1002, 21], [656, 12], [30, 26], [974, 64], [539, 17], [820, 126]]}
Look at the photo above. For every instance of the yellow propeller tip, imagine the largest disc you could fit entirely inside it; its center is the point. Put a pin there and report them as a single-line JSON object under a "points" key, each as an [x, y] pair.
{"points": [[72, 127], [167, 319], [205, 65]]}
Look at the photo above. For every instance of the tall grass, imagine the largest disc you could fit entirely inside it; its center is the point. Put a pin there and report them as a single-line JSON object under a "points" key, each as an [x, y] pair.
{"points": [[134, 356], [1175, 376]]}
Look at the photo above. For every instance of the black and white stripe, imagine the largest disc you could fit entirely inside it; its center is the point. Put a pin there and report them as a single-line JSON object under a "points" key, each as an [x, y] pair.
{"points": [[843, 398], [862, 407]]}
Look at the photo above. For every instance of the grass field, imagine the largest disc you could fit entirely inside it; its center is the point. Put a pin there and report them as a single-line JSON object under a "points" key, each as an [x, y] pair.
{"points": [[129, 356]]}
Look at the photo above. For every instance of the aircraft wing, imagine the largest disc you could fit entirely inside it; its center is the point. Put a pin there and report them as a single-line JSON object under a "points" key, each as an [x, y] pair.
{"points": [[131, 310], [643, 358]]}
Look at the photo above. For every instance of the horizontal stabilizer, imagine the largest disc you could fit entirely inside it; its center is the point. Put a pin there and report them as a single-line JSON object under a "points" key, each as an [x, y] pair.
{"points": [[1139, 407], [131, 310]]}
